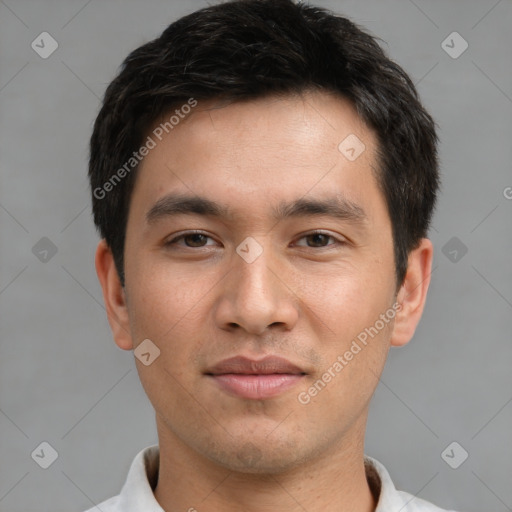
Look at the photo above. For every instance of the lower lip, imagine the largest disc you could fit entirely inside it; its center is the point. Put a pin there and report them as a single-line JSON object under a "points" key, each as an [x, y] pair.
{"points": [[256, 387]]}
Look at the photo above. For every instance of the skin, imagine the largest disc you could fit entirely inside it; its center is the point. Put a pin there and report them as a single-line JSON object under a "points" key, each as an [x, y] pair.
{"points": [[304, 298]]}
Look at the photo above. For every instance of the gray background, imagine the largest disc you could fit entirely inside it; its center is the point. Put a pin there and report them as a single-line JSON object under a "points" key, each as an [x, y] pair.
{"points": [[64, 381]]}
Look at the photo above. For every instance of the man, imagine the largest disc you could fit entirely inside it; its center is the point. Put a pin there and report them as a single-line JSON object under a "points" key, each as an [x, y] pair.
{"points": [[263, 179]]}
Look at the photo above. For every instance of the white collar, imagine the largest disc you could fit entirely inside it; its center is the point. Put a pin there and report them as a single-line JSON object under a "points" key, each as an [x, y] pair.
{"points": [[137, 492]]}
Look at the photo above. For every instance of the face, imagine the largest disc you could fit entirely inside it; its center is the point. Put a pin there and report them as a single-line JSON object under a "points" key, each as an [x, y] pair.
{"points": [[292, 258]]}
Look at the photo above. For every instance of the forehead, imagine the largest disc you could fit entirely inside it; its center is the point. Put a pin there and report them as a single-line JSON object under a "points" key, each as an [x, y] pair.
{"points": [[263, 151]]}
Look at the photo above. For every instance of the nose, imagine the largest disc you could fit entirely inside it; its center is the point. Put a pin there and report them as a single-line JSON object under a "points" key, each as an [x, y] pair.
{"points": [[255, 296]]}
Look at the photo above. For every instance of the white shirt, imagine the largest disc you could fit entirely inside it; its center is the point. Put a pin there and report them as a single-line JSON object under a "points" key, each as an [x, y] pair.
{"points": [[137, 492]]}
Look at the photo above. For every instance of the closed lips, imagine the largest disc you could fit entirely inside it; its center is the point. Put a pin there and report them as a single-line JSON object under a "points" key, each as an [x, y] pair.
{"points": [[269, 365]]}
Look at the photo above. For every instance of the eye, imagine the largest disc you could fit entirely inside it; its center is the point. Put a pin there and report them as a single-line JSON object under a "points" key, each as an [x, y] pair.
{"points": [[319, 237], [195, 237]]}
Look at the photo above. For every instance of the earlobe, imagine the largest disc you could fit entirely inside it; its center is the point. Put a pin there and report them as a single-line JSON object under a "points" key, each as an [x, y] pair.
{"points": [[113, 296], [413, 293]]}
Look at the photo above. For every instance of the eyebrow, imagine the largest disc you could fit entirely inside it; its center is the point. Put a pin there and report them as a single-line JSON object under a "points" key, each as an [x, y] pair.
{"points": [[337, 207]]}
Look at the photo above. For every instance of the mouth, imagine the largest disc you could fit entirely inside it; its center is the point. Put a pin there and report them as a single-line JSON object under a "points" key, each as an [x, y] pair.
{"points": [[255, 379]]}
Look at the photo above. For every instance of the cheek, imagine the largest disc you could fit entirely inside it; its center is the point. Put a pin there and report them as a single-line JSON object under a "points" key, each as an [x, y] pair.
{"points": [[164, 308], [343, 301], [352, 364], [172, 307], [344, 309], [163, 296]]}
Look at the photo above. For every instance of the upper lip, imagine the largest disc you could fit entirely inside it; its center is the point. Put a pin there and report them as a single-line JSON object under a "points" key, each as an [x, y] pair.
{"points": [[266, 366]]}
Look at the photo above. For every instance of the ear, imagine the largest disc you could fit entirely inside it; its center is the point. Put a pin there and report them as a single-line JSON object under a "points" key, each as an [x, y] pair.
{"points": [[114, 296], [413, 293]]}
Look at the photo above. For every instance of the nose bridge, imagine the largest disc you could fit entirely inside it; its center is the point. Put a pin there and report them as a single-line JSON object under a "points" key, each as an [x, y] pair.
{"points": [[255, 297], [256, 282]]}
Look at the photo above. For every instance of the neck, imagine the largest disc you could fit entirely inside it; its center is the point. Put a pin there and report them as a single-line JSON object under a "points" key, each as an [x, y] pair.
{"points": [[331, 482]]}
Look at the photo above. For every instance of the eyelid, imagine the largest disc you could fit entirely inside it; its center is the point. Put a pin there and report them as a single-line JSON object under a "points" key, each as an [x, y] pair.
{"points": [[341, 240], [177, 237]]}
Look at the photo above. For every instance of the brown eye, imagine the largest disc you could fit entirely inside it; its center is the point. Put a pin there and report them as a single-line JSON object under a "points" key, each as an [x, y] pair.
{"points": [[196, 239], [319, 240], [192, 240]]}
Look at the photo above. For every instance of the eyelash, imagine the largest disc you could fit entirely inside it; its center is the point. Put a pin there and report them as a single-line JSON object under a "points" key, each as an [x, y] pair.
{"points": [[312, 233]]}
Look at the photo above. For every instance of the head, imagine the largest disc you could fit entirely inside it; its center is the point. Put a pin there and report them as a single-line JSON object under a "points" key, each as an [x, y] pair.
{"points": [[263, 118]]}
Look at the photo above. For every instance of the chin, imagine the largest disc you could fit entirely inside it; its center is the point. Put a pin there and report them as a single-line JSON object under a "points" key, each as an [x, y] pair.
{"points": [[255, 457]]}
